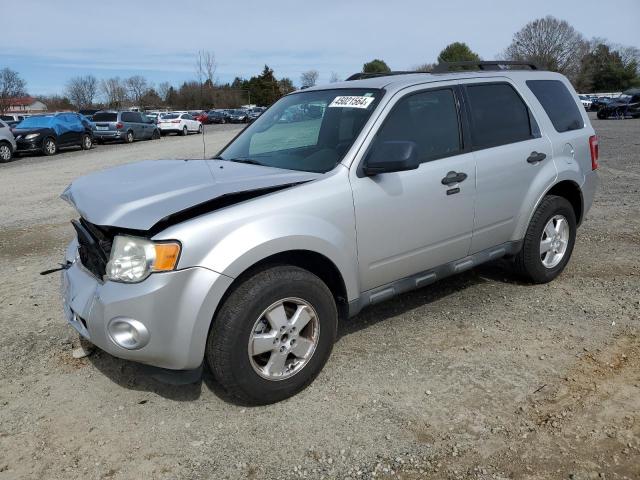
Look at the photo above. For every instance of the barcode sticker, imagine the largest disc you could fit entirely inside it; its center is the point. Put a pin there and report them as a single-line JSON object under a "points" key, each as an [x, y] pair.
{"points": [[351, 102]]}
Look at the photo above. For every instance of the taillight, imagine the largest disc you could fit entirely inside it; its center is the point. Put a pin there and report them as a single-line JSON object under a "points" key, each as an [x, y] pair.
{"points": [[593, 148], [119, 125], [175, 121]]}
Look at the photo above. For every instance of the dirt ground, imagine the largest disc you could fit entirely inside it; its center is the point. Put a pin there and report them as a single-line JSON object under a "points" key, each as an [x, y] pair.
{"points": [[477, 377]]}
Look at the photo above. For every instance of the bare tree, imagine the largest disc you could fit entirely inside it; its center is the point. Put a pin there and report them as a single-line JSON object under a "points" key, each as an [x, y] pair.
{"points": [[114, 92], [206, 67], [136, 87], [309, 78], [82, 90], [163, 90], [629, 55], [11, 86], [334, 78], [551, 43]]}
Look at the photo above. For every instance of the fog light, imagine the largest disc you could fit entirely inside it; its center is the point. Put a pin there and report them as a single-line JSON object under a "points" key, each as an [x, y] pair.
{"points": [[128, 333]]}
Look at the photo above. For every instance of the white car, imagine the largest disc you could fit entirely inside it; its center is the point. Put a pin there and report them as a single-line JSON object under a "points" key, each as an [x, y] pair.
{"points": [[586, 102], [180, 123]]}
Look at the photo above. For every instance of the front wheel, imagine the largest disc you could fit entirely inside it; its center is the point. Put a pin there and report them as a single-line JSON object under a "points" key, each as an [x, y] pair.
{"points": [[49, 146], [272, 335], [5, 152], [602, 114], [549, 241]]}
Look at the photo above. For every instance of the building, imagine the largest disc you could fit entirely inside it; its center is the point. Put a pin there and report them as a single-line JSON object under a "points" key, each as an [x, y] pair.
{"points": [[26, 105]]}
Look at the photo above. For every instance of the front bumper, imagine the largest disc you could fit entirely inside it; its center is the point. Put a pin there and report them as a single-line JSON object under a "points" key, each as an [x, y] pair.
{"points": [[34, 145], [175, 307]]}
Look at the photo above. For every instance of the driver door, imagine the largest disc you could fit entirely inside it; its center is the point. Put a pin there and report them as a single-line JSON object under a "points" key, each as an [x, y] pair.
{"points": [[408, 222]]}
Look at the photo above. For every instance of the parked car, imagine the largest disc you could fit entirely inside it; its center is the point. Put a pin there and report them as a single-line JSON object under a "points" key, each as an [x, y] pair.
{"points": [[248, 260], [626, 105], [586, 102], [254, 113], [48, 133], [12, 119], [180, 123], [88, 112], [7, 142], [202, 117], [238, 116], [124, 126], [599, 102], [216, 116]]}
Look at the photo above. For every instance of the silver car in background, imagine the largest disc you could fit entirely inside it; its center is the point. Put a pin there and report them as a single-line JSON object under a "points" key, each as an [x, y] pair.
{"points": [[7, 142], [336, 198]]}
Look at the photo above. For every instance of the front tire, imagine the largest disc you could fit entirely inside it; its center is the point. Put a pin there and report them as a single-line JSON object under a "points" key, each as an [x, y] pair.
{"points": [[549, 241], [49, 147], [272, 335], [6, 153]]}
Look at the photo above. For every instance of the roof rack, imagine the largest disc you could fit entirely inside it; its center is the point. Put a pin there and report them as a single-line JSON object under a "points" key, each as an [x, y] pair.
{"points": [[361, 75], [446, 67]]}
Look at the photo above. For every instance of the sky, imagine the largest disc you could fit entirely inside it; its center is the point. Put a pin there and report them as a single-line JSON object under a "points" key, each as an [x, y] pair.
{"points": [[52, 41]]}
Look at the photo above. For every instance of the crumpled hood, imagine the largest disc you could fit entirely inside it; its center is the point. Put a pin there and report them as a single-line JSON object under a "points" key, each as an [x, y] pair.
{"points": [[139, 195]]}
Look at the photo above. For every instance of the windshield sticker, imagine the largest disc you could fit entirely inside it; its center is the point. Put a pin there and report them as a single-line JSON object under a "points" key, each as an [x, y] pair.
{"points": [[351, 102]]}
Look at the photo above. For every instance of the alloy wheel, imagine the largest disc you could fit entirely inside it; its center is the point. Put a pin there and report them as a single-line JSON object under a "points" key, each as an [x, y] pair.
{"points": [[283, 339], [554, 241], [5, 153]]}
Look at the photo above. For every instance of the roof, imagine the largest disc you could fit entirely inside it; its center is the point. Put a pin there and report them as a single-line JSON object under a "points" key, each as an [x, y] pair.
{"points": [[394, 83], [22, 101]]}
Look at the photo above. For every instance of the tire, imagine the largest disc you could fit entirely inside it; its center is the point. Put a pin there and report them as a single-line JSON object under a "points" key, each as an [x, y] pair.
{"points": [[245, 375], [87, 142], [530, 262], [185, 132], [602, 115], [6, 152], [200, 129], [155, 135], [49, 146], [129, 138]]}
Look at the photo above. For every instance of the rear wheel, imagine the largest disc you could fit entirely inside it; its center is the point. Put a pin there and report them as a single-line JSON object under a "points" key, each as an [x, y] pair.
{"points": [[272, 335], [549, 241], [49, 146], [184, 131], [200, 128], [87, 142], [6, 153], [602, 114], [155, 135], [129, 137]]}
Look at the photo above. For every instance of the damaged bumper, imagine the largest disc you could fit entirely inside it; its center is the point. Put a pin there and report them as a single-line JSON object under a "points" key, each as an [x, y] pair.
{"points": [[167, 315]]}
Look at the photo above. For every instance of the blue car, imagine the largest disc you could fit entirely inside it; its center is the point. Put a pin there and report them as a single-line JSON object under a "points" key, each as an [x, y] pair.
{"points": [[48, 133]]}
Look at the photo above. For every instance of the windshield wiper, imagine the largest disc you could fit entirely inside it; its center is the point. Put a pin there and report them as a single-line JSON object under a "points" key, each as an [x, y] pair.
{"points": [[249, 161]]}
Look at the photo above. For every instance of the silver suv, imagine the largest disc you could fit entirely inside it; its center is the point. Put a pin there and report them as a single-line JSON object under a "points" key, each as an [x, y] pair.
{"points": [[336, 198], [7, 142]]}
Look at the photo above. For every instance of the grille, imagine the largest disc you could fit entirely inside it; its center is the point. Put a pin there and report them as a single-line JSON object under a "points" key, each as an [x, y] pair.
{"points": [[94, 246]]}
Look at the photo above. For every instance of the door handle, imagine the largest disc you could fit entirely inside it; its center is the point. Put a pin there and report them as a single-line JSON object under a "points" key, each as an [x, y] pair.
{"points": [[454, 177], [536, 157]]}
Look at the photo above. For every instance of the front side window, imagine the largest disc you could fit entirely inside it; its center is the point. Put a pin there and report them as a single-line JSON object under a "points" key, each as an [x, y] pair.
{"points": [[429, 119], [498, 115], [309, 131], [558, 103]]}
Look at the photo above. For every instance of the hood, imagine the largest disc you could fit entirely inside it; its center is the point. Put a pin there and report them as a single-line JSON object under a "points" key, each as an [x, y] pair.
{"points": [[21, 132], [139, 195]]}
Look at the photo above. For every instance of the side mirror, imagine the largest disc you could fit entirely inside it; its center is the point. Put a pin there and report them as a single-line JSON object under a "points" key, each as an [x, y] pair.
{"points": [[391, 156]]}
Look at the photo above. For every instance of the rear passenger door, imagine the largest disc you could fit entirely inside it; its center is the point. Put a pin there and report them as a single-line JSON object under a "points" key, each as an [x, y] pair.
{"points": [[411, 221], [512, 157]]}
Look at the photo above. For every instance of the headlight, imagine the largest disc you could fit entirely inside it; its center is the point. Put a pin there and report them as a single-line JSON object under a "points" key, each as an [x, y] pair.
{"points": [[31, 136], [133, 259]]}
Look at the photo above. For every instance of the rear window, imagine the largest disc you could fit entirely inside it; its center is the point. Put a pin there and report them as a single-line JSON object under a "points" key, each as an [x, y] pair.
{"points": [[498, 115], [558, 102], [105, 117], [170, 116]]}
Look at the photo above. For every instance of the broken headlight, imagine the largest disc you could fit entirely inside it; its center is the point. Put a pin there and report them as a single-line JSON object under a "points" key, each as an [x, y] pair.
{"points": [[133, 259]]}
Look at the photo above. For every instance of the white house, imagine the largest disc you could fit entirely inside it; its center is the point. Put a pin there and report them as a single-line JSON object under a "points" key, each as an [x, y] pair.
{"points": [[26, 105]]}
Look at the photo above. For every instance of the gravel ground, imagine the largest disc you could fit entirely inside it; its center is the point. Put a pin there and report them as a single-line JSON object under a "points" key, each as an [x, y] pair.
{"points": [[479, 376]]}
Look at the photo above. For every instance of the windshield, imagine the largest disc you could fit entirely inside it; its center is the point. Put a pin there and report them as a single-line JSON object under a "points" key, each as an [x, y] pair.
{"points": [[35, 122], [308, 131]]}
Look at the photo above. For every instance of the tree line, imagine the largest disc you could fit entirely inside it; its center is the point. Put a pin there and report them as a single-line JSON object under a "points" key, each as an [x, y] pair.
{"points": [[594, 65]]}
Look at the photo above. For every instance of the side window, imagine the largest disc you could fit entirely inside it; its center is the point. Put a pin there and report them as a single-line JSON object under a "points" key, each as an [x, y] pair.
{"points": [[558, 103], [128, 117], [186, 116], [430, 119], [498, 115]]}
